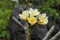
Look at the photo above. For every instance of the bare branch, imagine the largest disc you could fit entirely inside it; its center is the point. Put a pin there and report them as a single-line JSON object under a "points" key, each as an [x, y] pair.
{"points": [[26, 27], [55, 36], [49, 33]]}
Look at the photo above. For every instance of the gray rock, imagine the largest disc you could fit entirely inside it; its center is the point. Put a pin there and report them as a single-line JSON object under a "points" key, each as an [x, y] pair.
{"points": [[38, 31]]}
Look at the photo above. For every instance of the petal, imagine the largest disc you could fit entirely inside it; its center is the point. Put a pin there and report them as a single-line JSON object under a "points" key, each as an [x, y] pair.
{"points": [[21, 16], [30, 9], [38, 13], [35, 10], [25, 12], [43, 22], [32, 20], [44, 14]]}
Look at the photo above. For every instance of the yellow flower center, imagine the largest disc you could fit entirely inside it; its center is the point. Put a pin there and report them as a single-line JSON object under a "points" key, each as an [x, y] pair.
{"points": [[32, 20]]}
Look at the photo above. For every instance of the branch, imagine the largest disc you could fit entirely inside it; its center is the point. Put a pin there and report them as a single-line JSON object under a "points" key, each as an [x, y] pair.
{"points": [[55, 36], [26, 27], [49, 33]]}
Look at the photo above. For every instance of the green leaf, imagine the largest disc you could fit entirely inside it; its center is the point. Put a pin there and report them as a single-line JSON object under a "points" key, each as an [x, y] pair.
{"points": [[5, 34]]}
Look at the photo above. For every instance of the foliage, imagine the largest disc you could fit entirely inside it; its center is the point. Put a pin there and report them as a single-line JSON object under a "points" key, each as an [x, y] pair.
{"points": [[6, 7]]}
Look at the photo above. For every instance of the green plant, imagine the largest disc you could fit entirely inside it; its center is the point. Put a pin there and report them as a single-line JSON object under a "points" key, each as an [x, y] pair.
{"points": [[6, 7]]}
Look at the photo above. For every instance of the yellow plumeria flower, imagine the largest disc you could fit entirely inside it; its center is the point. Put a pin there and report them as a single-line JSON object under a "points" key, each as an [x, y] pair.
{"points": [[32, 20], [24, 15], [33, 12], [43, 20]]}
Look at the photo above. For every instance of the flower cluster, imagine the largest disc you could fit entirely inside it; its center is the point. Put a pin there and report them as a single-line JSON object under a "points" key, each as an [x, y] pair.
{"points": [[33, 17]]}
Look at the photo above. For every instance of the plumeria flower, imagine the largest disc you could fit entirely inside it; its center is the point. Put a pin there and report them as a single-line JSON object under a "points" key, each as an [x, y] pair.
{"points": [[33, 12], [43, 19], [24, 15], [32, 20], [31, 16]]}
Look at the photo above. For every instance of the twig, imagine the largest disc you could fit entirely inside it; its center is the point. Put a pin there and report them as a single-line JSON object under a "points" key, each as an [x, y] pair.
{"points": [[26, 27], [17, 21], [55, 36], [49, 33]]}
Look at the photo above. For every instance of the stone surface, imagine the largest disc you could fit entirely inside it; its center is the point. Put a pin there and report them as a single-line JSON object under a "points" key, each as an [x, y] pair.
{"points": [[17, 32], [38, 31]]}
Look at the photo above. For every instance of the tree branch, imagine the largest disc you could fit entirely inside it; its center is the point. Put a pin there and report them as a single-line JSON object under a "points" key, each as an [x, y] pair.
{"points": [[55, 36], [26, 27], [49, 33]]}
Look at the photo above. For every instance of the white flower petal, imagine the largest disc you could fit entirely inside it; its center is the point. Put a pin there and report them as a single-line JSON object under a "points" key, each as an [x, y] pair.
{"points": [[25, 13], [38, 13], [44, 14], [33, 12], [21, 16], [30, 9]]}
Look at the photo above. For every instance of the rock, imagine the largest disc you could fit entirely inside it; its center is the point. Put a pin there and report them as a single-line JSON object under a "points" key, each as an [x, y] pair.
{"points": [[17, 32], [58, 21], [17, 10], [38, 32]]}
